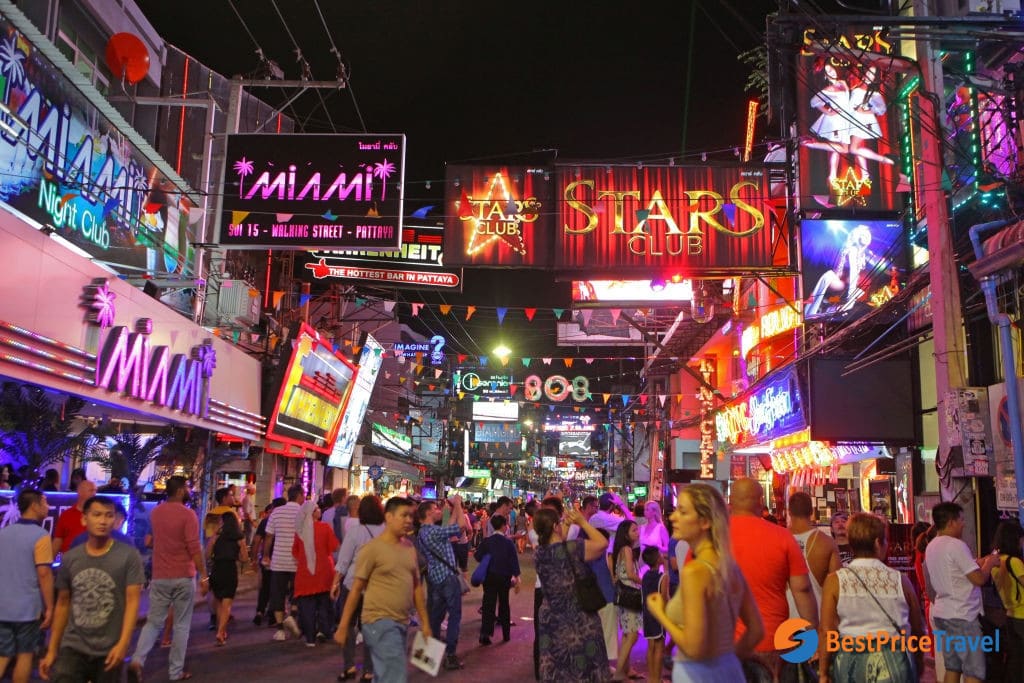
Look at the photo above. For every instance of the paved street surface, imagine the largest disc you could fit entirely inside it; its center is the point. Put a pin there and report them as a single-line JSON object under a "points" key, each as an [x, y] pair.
{"points": [[251, 654]]}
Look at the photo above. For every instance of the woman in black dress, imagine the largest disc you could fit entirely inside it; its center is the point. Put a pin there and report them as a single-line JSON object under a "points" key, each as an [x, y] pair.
{"points": [[224, 550]]}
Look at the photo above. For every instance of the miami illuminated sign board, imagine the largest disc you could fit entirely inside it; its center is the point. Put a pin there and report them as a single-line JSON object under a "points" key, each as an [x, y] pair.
{"points": [[772, 410], [314, 192], [128, 365]]}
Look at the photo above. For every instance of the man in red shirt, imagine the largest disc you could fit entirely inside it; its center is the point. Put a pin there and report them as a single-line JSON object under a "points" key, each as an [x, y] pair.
{"points": [[177, 556], [771, 561], [71, 522]]}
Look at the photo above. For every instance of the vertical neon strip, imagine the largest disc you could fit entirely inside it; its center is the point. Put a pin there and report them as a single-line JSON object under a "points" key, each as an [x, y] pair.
{"points": [[181, 123], [278, 123]]}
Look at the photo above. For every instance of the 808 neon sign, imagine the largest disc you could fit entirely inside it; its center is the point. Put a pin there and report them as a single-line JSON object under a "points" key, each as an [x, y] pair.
{"points": [[557, 388]]}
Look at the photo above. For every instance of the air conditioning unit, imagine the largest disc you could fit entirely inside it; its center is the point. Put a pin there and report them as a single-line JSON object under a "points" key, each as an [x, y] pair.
{"points": [[235, 304]]}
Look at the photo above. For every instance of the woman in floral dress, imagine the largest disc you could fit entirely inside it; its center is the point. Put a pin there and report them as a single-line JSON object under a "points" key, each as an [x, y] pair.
{"points": [[571, 641]]}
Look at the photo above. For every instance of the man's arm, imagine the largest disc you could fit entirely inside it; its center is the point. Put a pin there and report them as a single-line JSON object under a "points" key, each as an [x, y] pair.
{"points": [[131, 617], [341, 633], [822, 556], [419, 598], [44, 572], [803, 596], [196, 551], [60, 623]]}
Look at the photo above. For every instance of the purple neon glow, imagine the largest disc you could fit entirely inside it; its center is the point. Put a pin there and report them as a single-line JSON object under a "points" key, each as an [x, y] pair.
{"points": [[45, 354], [47, 340], [17, 360], [259, 417]]}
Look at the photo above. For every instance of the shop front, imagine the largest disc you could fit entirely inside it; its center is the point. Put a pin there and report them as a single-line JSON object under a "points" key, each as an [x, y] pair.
{"points": [[70, 327]]}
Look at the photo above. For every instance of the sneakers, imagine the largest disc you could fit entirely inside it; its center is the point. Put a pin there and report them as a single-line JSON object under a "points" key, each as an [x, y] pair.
{"points": [[279, 634], [311, 644], [292, 626], [452, 663], [485, 641], [321, 637]]}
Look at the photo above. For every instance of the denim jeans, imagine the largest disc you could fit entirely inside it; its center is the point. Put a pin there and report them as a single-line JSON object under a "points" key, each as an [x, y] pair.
{"points": [[165, 594], [442, 598], [314, 615], [386, 640], [72, 666]]}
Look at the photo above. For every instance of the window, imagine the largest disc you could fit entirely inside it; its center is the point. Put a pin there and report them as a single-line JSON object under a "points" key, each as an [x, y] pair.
{"points": [[83, 55]]}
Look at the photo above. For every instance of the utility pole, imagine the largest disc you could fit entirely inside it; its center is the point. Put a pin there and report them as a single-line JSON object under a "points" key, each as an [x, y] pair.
{"points": [[947, 318]]}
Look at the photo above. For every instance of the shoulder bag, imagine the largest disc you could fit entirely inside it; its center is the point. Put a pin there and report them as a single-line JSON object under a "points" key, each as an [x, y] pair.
{"points": [[463, 584], [584, 585], [480, 573]]}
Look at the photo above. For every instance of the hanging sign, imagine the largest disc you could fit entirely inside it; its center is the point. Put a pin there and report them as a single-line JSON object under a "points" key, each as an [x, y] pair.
{"points": [[314, 191], [556, 388], [775, 408]]}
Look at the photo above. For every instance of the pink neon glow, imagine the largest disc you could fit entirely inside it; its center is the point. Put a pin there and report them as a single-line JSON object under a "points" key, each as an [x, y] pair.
{"points": [[47, 340], [44, 354]]}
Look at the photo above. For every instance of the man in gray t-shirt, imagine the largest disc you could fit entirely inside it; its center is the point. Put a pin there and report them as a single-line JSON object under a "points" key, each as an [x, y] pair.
{"points": [[98, 584]]}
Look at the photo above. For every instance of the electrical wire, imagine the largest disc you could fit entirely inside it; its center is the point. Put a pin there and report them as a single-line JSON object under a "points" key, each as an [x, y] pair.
{"points": [[343, 70]]}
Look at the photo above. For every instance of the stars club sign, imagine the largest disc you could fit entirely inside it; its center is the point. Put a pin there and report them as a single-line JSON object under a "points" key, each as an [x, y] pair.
{"points": [[498, 216]]}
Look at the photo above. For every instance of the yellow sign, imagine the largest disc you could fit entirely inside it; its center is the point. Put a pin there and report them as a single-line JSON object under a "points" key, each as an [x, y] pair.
{"points": [[772, 323]]}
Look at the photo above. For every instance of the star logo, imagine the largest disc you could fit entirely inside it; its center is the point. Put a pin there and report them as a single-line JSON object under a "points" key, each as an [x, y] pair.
{"points": [[852, 188], [498, 216]]}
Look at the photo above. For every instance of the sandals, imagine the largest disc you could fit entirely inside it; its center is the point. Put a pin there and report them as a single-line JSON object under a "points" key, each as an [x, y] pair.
{"points": [[222, 638], [347, 674]]}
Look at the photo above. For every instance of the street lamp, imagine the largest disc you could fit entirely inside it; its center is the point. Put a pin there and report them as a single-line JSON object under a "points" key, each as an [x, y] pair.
{"points": [[502, 352]]}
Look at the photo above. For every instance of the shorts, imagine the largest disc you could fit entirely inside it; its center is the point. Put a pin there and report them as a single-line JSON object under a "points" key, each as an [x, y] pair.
{"points": [[18, 637], [282, 585], [629, 621], [967, 661]]}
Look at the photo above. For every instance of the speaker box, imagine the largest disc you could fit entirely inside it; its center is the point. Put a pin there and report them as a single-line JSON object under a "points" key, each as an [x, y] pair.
{"points": [[150, 289]]}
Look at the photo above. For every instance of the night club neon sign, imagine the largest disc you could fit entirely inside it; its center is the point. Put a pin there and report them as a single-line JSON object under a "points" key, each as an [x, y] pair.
{"points": [[128, 364]]}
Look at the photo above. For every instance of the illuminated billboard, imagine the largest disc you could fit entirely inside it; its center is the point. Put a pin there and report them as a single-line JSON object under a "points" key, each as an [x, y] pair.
{"points": [[419, 264], [498, 216], [66, 165], [599, 328], [370, 359], [496, 432], [847, 120], [504, 411], [390, 440], [313, 191], [703, 221], [850, 267], [625, 292], [313, 395]]}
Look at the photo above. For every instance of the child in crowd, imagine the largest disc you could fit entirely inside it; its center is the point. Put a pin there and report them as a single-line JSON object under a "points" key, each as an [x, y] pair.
{"points": [[653, 581]]}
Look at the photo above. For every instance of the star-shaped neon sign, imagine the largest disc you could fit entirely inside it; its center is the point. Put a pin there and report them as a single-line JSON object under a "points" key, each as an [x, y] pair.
{"points": [[852, 188], [497, 205]]}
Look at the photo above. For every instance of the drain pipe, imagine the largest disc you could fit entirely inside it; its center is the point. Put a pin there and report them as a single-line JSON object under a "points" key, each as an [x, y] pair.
{"points": [[1002, 321]]}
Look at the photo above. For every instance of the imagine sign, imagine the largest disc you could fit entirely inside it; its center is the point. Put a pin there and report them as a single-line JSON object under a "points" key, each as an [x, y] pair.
{"points": [[773, 410], [314, 192]]}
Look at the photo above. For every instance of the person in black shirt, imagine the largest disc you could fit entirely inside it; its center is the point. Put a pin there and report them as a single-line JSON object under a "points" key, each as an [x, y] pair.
{"points": [[502, 574]]}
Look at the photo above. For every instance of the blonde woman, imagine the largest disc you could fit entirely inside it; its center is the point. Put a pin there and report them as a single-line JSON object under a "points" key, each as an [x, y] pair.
{"points": [[701, 617], [654, 534]]}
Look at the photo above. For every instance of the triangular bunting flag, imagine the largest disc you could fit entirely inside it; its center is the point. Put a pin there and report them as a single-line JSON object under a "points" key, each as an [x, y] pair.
{"points": [[615, 315], [360, 301], [462, 358], [483, 360], [661, 400], [558, 312], [625, 399], [254, 337], [437, 374], [504, 361], [388, 306], [590, 361], [462, 395], [416, 309], [607, 397], [568, 362], [304, 299], [387, 375], [419, 369], [445, 309], [546, 361], [643, 399], [526, 361], [530, 312], [401, 380], [679, 398], [587, 314], [419, 357], [501, 314], [512, 389], [470, 310]]}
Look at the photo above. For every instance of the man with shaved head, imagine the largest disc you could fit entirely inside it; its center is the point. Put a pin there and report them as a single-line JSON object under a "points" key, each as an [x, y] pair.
{"points": [[771, 561]]}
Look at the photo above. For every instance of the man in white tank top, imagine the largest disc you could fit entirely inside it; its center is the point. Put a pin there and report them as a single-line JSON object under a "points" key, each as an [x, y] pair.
{"points": [[819, 548]]}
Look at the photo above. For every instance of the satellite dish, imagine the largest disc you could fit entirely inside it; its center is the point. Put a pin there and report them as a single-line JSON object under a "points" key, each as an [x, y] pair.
{"points": [[127, 57]]}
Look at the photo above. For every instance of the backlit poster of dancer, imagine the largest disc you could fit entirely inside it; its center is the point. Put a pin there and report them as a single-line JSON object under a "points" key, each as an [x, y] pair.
{"points": [[850, 266], [846, 125]]}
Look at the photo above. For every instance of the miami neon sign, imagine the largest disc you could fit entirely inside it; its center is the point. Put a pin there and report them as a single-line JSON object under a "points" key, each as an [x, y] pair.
{"points": [[128, 365]]}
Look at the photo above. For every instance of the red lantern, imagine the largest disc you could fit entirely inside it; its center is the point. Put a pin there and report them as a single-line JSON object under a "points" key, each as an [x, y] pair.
{"points": [[127, 57]]}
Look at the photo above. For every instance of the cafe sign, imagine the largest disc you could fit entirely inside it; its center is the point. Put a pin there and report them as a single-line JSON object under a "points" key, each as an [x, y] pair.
{"points": [[775, 408]]}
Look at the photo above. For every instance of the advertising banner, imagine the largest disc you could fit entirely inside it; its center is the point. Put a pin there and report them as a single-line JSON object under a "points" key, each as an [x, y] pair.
{"points": [[673, 219], [774, 409], [419, 264], [313, 192], [496, 432], [601, 293], [384, 437], [65, 165], [850, 267], [846, 91], [370, 359], [313, 395], [498, 216]]}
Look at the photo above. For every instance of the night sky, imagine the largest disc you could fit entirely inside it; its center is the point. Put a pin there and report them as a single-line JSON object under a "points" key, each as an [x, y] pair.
{"points": [[596, 81]]}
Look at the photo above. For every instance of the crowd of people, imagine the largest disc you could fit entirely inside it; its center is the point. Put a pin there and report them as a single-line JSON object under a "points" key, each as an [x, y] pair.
{"points": [[708, 586]]}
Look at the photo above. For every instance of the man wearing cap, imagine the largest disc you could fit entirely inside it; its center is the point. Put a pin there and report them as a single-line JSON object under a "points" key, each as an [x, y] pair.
{"points": [[609, 514], [839, 520]]}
